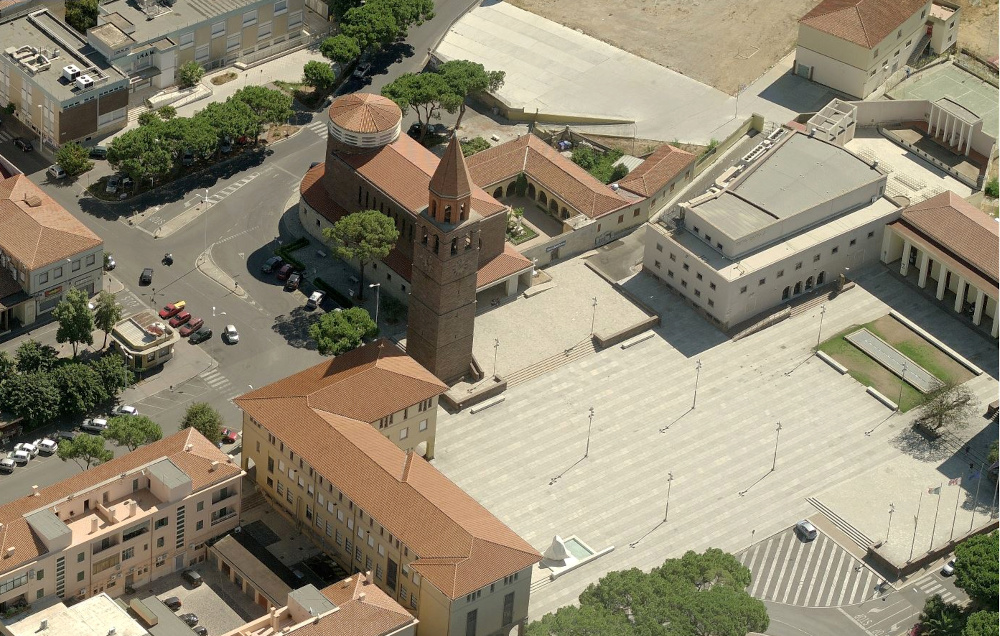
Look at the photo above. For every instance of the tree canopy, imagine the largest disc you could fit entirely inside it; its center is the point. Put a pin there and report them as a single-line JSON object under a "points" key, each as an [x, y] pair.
{"points": [[141, 154], [338, 332], [33, 356], [107, 313], [268, 106], [952, 406], [81, 14], [976, 569], [114, 374], [132, 431], [206, 420], [318, 74], [85, 450], [231, 118], [190, 73], [465, 78], [600, 165], [363, 237], [32, 396], [76, 322], [423, 93], [341, 49], [73, 158], [80, 388]]}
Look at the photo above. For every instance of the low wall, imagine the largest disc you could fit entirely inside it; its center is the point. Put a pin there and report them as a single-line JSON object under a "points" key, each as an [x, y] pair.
{"points": [[975, 184], [517, 113], [702, 163], [610, 340], [886, 564], [492, 389]]}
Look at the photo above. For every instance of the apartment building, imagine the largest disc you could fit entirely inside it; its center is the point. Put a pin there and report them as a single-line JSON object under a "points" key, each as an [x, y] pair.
{"points": [[150, 39], [44, 252], [377, 508], [855, 46], [98, 615], [794, 216], [121, 524], [60, 87]]}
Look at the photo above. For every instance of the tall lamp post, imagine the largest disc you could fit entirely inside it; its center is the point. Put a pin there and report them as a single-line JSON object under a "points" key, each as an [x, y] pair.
{"points": [[378, 289], [777, 432], [590, 426], [892, 509], [697, 374], [496, 351], [819, 336], [670, 479], [902, 381], [593, 319]]}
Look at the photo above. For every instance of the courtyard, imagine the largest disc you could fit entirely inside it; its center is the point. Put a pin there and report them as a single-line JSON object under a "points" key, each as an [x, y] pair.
{"points": [[654, 433]]}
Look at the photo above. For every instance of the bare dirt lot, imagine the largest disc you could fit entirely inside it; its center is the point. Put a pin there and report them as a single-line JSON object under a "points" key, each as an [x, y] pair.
{"points": [[978, 30], [718, 42]]}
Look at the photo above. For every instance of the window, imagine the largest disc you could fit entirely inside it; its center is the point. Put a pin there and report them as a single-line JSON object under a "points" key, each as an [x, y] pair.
{"points": [[656, 264], [281, 6], [218, 29], [201, 505], [743, 289], [761, 281], [43, 278], [289, 497], [853, 242], [264, 31], [781, 273], [684, 283], [672, 257], [201, 54], [422, 426], [233, 42], [923, 13], [816, 258], [635, 213], [80, 557], [697, 293], [670, 273], [659, 247], [621, 218], [876, 54], [834, 250], [79, 576], [159, 542], [161, 522], [378, 571], [871, 234], [199, 525], [470, 623], [711, 286], [270, 483], [711, 303], [708, 239], [696, 230], [39, 575], [128, 553], [686, 267], [249, 18], [798, 265], [76, 265], [403, 434], [899, 34], [339, 537], [91, 259], [909, 42], [187, 40], [508, 609], [357, 554], [281, 488], [698, 276], [294, 19]]}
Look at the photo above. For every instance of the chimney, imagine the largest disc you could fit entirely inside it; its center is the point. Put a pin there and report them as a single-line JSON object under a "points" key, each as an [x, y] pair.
{"points": [[274, 619], [214, 466], [10, 552], [93, 525], [361, 597], [188, 447], [368, 578], [44, 626], [131, 508], [34, 491]]}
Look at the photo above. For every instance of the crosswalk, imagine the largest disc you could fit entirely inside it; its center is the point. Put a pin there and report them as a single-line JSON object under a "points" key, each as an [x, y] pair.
{"points": [[931, 586], [220, 383], [5, 136], [228, 190], [818, 573], [318, 127]]}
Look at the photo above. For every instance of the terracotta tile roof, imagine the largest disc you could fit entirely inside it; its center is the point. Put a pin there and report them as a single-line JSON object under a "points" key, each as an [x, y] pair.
{"points": [[196, 463], [959, 227], [460, 546], [659, 169], [403, 169], [366, 384], [36, 230], [362, 610], [545, 166], [312, 190], [451, 178], [365, 113], [510, 261], [863, 22], [399, 263]]}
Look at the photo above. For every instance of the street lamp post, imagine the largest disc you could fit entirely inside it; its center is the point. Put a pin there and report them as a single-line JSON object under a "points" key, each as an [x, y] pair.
{"points": [[892, 509], [819, 336], [590, 426], [697, 374], [378, 289], [777, 432], [593, 318], [670, 479], [496, 352], [902, 381]]}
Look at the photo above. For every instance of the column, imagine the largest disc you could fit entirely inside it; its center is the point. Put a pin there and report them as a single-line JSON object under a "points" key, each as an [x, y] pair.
{"points": [[968, 143], [996, 322], [961, 135], [511, 285], [960, 295], [977, 315], [925, 262], [904, 265], [942, 279], [936, 115]]}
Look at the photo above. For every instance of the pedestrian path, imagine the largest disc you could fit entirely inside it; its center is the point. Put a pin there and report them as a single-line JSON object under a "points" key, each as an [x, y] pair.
{"points": [[931, 586], [230, 189], [5, 136], [318, 127], [817, 573], [219, 383]]}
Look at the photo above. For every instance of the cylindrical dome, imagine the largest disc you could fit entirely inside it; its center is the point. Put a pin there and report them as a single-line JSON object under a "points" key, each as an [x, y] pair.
{"points": [[364, 120]]}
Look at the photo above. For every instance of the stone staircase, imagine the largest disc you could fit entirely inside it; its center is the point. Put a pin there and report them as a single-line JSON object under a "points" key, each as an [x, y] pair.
{"points": [[919, 49], [252, 501], [576, 352], [856, 535]]}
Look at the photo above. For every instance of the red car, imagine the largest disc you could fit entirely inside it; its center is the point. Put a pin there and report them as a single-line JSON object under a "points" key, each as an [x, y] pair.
{"points": [[229, 436], [172, 309], [180, 319], [285, 271], [193, 326]]}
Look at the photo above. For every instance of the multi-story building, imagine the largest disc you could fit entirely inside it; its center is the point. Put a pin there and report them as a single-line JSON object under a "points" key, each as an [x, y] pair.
{"points": [[376, 508], [98, 615], [854, 46], [60, 87], [44, 252], [150, 39], [794, 216], [121, 524], [145, 340]]}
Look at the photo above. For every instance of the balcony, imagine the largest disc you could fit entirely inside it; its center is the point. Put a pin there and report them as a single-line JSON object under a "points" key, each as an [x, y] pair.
{"points": [[223, 495], [226, 515]]}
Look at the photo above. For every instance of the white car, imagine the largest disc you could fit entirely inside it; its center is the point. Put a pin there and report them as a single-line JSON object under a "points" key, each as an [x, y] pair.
{"points": [[48, 446], [231, 335], [125, 409], [27, 447], [95, 425], [949, 567], [20, 457]]}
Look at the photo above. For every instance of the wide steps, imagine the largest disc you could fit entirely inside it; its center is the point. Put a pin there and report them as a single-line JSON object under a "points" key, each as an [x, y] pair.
{"points": [[856, 535], [576, 352]]}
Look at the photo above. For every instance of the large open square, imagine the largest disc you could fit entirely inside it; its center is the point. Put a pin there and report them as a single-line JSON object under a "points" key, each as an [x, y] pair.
{"points": [[952, 82], [648, 428]]}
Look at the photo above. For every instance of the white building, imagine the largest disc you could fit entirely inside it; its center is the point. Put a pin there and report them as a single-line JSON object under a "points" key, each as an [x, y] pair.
{"points": [[798, 212]]}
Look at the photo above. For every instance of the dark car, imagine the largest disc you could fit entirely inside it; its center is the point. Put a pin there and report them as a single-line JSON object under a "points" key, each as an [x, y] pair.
{"points": [[200, 336], [146, 277], [200, 630], [190, 619], [285, 271], [173, 603], [99, 152], [193, 578], [23, 144], [293, 282], [67, 435], [271, 263]]}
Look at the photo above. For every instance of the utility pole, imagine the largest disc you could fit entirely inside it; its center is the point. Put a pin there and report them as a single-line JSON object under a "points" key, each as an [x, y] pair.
{"points": [[496, 352], [378, 289], [892, 509]]}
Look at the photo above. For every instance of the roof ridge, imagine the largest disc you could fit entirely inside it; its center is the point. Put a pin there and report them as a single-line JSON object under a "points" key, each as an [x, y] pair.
{"points": [[857, 9]]}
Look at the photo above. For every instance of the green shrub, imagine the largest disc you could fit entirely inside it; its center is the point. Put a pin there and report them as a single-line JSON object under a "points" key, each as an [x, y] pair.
{"points": [[993, 188]]}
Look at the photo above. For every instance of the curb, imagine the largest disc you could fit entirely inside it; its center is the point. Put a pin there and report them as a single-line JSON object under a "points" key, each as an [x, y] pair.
{"points": [[207, 266]]}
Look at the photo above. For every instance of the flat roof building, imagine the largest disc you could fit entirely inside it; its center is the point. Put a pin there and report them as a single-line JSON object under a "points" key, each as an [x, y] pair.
{"points": [[145, 340], [96, 616]]}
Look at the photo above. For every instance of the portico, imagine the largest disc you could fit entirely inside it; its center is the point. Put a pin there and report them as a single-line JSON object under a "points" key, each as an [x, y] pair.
{"points": [[953, 125]]}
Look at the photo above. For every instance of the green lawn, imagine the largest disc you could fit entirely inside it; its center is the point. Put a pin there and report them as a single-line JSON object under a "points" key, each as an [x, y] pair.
{"points": [[870, 373]]}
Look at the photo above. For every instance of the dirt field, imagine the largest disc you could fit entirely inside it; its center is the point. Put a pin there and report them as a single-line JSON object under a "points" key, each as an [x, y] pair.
{"points": [[718, 42], [978, 30]]}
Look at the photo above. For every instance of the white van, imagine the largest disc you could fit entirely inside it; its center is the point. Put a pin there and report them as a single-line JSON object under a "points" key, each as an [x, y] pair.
{"points": [[56, 172], [314, 300]]}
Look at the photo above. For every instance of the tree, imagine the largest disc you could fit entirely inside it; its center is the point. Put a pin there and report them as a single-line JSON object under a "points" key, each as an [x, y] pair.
{"points": [[132, 431], [107, 313], [940, 618], [340, 7], [189, 74], [424, 93], [206, 420], [76, 322], [150, 118], [33, 396], [952, 405], [114, 373], [992, 188], [319, 75], [81, 14], [85, 450], [230, 119], [982, 623], [341, 49], [167, 112], [140, 154], [7, 365], [194, 134], [80, 387], [976, 569], [364, 237], [406, 12], [73, 158], [586, 620], [474, 145], [370, 26], [600, 165], [268, 106], [337, 332], [469, 78], [32, 356], [993, 454]]}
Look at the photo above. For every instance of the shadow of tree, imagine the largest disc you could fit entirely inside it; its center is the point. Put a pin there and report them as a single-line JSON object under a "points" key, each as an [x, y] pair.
{"points": [[920, 447], [294, 328]]}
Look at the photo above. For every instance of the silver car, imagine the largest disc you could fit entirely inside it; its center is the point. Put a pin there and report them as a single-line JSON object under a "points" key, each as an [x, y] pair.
{"points": [[806, 530]]}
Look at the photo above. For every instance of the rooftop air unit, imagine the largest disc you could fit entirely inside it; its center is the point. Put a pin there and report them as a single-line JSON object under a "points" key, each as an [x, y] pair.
{"points": [[84, 82], [71, 72]]}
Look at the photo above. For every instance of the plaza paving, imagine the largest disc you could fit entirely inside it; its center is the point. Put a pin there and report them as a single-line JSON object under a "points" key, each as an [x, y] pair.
{"points": [[507, 455]]}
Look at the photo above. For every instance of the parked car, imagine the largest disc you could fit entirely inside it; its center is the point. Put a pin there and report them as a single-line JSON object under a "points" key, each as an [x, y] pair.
{"points": [[226, 146], [200, 630], [173, 603], [7, 465], [48, 446], [949, 567], [67, 435], [56, 171], [272, 263], [315, 300], [109, 263], [806, 530], [190, 619], [180, 319], [285, 271], [94, 425], [192, 326], [23, 144], [230, 334], [229, 436], [192, 577], [124, 409], [99, 152], [362, 70], [200, 336], [146, 277], [293, 282], [127, 183], [27, 447], [187, 158], [172, 309], [112, 185], [20, 457]]}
